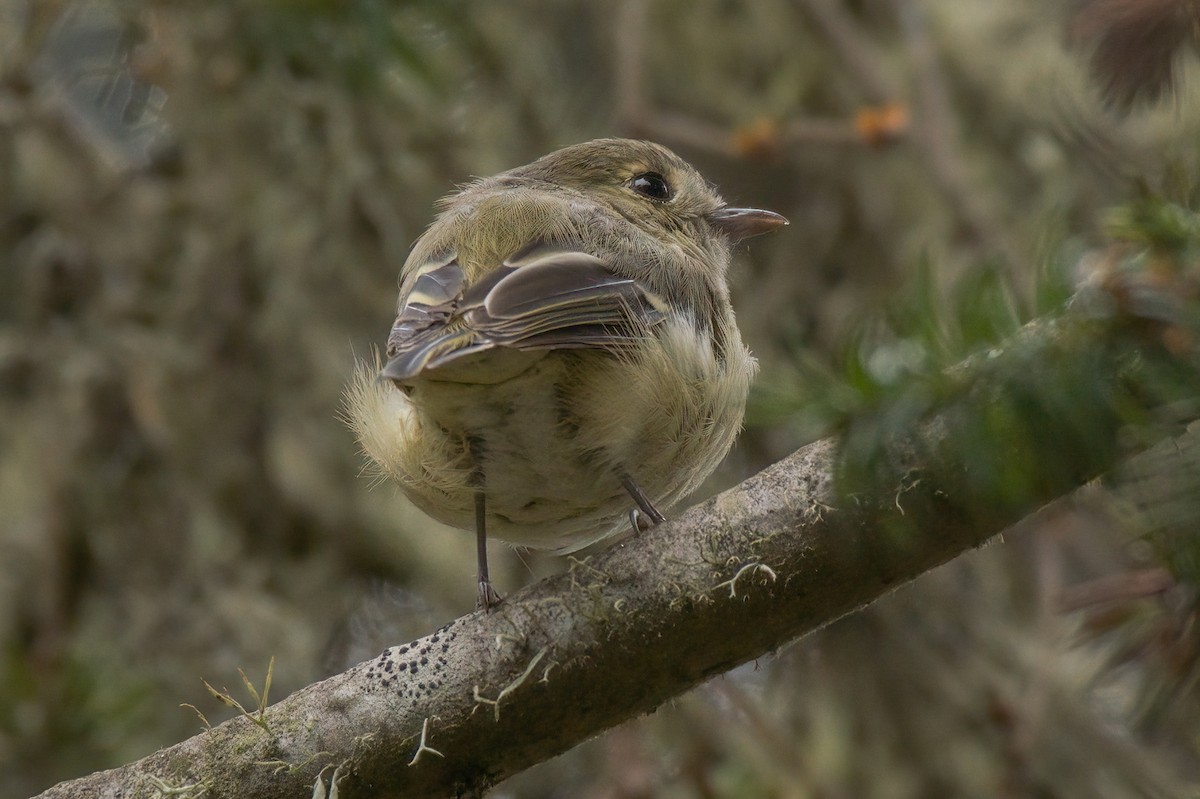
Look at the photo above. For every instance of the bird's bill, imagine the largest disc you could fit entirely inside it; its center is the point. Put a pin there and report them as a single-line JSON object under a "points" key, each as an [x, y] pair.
{"points": [[742, 223]]}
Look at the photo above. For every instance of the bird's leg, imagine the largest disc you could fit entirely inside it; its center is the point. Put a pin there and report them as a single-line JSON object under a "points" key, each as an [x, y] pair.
{"points": [[645, 515], [488, 598]]}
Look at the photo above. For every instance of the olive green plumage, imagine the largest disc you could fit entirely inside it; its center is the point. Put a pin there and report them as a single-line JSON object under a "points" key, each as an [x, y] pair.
{"points": [[564, 348]]}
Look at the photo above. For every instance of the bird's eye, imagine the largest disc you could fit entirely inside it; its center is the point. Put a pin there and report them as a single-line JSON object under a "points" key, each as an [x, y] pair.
{"points": [[652, 185]]}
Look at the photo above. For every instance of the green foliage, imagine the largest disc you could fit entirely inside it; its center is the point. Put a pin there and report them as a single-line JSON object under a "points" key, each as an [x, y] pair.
{"points": [[893, 366], [360, 42], [80, 712], [1162, 227]]}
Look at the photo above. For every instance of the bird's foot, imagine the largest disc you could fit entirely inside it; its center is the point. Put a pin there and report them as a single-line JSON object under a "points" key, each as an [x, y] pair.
{"points": [[488, 598]]}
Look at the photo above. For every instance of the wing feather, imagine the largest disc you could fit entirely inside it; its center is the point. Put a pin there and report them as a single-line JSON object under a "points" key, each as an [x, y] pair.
{"points": [[543, 298]]}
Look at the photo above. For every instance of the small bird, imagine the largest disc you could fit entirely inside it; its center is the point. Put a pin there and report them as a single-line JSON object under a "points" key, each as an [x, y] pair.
{"points": [[564, 359]]}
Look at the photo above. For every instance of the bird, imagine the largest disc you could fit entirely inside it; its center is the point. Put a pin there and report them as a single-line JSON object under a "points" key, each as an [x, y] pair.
{"points": [[564, 359]]}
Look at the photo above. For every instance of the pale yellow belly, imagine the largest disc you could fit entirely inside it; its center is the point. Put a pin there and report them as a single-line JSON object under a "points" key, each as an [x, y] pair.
{"points": [[548, 446]]}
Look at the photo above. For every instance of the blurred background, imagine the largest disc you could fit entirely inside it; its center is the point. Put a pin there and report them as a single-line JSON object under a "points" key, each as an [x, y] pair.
{"points": [[203, 209]]}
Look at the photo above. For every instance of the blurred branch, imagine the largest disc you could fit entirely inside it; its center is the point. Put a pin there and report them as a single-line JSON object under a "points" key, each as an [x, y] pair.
{"points": [[630, 51], [936, 140], [883, 121], [638, 115], [1123, 587], [808, 540], [854, 49]]}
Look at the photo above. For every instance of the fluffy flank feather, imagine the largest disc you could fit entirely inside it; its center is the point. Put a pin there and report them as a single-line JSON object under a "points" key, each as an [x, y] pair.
{"points": [[396, 441]]}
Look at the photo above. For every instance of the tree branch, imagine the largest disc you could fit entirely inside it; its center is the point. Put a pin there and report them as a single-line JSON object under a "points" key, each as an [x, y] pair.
{"points": [[784, 553]]}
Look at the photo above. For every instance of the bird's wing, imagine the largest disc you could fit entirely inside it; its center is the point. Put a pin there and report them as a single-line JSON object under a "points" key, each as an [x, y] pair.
{"points": [[544, 297]]}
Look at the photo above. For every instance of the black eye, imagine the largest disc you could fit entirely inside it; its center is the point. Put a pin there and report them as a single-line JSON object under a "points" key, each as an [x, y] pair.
{"points": [[652, 185]]}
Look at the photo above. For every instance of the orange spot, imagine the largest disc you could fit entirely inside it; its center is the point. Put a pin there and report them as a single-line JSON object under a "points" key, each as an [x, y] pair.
{"points": [[1178, 341], [881, 124], [759, 139]]}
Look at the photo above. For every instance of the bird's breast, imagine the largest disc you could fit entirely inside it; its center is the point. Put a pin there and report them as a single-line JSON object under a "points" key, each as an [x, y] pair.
{"points": [[548, 445]]}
